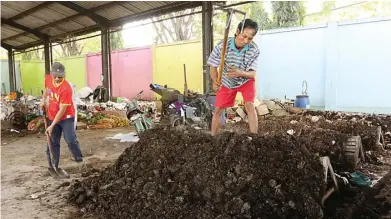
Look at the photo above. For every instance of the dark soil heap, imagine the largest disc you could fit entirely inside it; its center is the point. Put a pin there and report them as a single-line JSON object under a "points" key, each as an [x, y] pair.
{"points": [[373, 203], [189, 174], [384, 121], [318, 140], [377, 203], [363, 127]]}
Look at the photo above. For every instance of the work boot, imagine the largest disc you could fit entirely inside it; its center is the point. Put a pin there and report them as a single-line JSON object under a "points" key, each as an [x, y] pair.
{"points": [[77, 159]]}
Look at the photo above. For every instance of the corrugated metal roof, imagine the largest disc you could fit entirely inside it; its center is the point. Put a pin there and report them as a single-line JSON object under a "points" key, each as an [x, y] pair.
{"points": [[56, 19], [31, 22], [7, 12], [114, 12], [90, 4], [61, 10], [13, 8], [9, 31]]}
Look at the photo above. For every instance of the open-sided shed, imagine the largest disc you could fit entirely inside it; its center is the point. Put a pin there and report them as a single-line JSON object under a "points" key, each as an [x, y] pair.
{"points": [[25, 24]]}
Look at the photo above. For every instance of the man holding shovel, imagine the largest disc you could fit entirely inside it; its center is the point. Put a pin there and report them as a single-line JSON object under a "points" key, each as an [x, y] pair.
{"points": [[61, 113], [238, 70]]}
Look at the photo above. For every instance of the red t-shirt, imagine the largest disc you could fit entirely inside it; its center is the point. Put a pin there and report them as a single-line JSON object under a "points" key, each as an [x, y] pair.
{"points": [[59, 95]]}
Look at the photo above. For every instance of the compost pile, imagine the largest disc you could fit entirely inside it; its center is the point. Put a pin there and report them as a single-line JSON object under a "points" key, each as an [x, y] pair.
{"points": [[384, 121], [376, 119], [377, 203], [373, 203], [173, 173], [281, 124], [318, 140]]}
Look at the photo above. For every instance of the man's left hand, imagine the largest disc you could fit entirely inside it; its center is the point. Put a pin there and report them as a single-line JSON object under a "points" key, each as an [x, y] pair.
{"points": [[49, 130], [234, 72]]}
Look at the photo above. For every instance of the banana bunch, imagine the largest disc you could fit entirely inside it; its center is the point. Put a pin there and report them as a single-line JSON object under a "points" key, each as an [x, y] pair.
{"points": [[110, 123], [119, 122]]}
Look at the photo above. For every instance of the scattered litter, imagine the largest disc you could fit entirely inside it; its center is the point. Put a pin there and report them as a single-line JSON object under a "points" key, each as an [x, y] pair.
{"points": [[237, 119], [14, 130], [315, 119], [360, 179], [380, 159], [37, 195], [294, 122], [345, 180], [290, 132], [131, 137], [64, 184]]}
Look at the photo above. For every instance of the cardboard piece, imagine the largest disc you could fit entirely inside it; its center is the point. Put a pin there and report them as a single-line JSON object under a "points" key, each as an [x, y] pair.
{"points": [[257, 102], [240, 112], [262, 110]]}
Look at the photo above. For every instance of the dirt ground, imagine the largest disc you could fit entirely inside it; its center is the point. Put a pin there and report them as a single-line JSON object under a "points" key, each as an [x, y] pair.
{"points": [[27, 191]]}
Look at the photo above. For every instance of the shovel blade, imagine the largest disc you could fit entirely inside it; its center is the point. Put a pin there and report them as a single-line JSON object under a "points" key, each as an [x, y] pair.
{"points": [[62, 173], [53, 172]]}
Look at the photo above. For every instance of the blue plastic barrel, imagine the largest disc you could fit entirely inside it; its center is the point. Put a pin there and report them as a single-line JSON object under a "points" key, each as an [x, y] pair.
{"points": [[302, 101], [212, 100]]}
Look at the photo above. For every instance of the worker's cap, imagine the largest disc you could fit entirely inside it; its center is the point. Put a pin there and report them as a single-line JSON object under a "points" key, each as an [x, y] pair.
{"points": [[58, 70]]}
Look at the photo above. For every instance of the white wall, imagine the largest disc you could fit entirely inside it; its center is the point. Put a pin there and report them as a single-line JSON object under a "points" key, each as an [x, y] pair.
{"points": [[346, 65]]}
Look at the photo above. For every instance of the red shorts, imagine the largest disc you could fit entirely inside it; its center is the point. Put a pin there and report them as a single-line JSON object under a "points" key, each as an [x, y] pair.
{"points": [[225, 97]]}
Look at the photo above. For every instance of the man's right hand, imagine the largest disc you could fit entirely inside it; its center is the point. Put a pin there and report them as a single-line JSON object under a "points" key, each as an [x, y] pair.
{"points": [[216, 87], [42, 104]]}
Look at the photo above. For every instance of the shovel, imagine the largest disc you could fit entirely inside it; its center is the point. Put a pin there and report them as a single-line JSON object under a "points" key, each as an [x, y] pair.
{"points": [[54, 172]]}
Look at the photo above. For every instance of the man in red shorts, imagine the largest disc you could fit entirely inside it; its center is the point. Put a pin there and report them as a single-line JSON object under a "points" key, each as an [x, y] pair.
{"points": [[238, 74], [61, 113]]}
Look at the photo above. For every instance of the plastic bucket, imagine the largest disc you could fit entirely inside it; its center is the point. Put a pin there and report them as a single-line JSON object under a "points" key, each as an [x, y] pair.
{"points": [[302, 101]]}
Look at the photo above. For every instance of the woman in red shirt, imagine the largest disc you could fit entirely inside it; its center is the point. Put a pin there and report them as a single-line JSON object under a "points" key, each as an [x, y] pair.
{"points": [[61, 113]]}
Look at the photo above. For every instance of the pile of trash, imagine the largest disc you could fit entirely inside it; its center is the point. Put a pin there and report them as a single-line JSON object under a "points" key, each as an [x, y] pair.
{"points": [[296, 124], [370, 203], [263, 108], [173, 173], [101, 120]]}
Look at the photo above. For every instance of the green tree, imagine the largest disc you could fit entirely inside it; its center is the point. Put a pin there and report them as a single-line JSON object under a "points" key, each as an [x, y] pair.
{"points": [[288, 13], [35, 55], [93, 44], [116, 40], [254, 11], [284, 14], [339, 11], [176, 28], [69, 47]]}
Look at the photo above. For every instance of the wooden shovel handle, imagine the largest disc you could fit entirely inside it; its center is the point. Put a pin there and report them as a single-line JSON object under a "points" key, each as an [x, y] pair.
{"points": [[224, 50]]}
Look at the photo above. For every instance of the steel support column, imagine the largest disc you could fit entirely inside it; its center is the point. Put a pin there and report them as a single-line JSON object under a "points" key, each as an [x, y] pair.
{"points": [[110, 91], [47, 56], [207, 42], [105, 62], [11, 61], [14, 66], [51, 53]]}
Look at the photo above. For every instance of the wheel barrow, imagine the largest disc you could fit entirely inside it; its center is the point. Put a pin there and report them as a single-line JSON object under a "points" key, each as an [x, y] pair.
{"points": [[353, 154]]}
